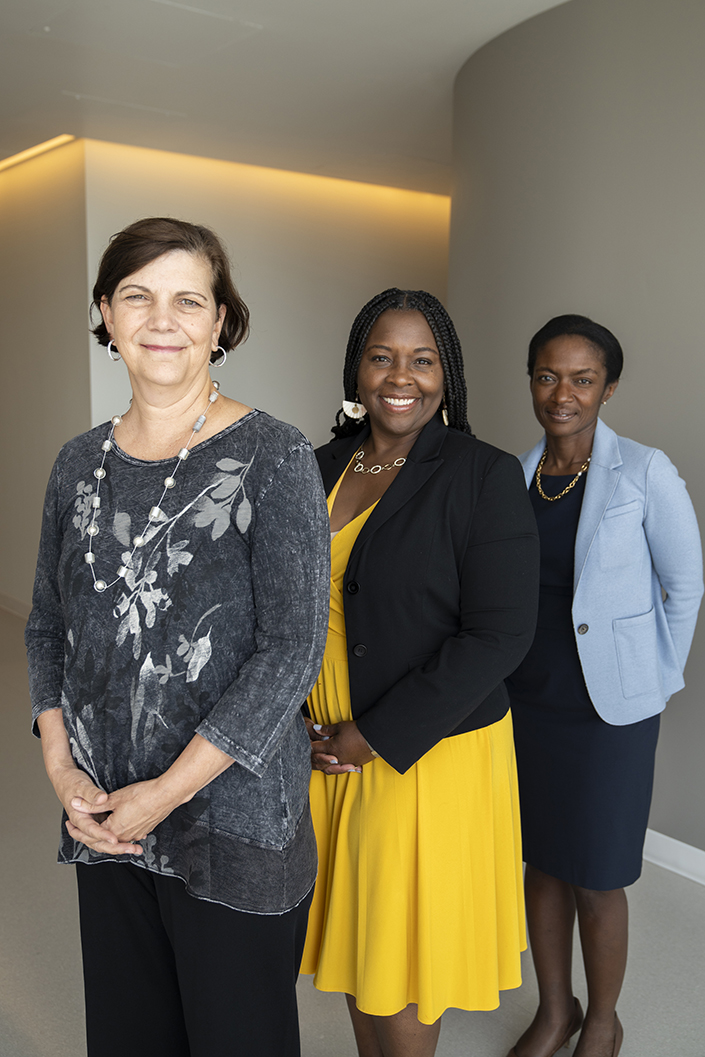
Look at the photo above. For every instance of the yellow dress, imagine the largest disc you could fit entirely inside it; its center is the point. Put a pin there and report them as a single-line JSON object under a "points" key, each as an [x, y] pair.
{"points": [[419, 896]]}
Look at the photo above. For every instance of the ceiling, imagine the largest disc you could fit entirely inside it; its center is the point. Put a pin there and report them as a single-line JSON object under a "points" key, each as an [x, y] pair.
{"points": [[359, 89]]}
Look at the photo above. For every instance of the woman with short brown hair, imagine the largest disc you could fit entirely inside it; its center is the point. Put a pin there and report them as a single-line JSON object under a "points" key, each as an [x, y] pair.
{"points": [[178, 623]]}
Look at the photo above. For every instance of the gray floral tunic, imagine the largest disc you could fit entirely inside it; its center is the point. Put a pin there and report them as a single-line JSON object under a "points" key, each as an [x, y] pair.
{"points": [[218, 628]]}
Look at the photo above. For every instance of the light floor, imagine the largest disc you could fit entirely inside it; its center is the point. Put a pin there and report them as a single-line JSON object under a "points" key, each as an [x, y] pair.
{"points": [[662, 1007]]}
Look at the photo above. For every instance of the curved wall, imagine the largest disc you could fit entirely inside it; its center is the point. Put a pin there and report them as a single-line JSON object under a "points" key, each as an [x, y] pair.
{"points": [[580, 187]]}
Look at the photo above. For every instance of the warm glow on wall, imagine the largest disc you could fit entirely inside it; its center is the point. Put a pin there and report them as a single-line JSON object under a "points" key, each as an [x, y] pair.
{"points": [[32, 152]]}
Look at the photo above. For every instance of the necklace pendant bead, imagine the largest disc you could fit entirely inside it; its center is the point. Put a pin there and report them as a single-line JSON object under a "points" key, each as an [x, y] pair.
{"points": [[116, 420], [198, 424], [92, 530], [95, 502], [139, 541], [169, 482], [122, 570], [213, 397], [107, 445], [155, 513], [99, 585], [183, 454], [99, 473], [89, 558]]}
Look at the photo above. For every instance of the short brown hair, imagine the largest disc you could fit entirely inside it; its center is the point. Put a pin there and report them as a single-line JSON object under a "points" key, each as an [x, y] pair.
{"points": [[145, 240]]}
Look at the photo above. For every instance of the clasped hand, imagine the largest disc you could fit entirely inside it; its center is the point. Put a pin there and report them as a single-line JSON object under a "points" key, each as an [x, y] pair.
{"points": [[111, 823], [338, 747]]}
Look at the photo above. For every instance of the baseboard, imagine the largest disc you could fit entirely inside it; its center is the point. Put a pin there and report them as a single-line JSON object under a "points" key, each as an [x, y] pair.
{"points": [[13, 605], [674, 855]]}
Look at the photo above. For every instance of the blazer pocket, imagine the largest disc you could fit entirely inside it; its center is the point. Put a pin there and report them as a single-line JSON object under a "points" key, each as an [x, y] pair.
{"points": [[626, 508], [637, 653]]}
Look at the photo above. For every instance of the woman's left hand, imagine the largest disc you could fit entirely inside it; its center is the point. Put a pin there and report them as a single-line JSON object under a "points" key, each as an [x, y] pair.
{"points": [[135, 810], [341, 748]]}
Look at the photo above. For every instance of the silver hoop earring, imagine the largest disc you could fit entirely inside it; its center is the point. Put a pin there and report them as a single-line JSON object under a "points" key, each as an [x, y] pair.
{"points": [[223, 357], [111, 348]]}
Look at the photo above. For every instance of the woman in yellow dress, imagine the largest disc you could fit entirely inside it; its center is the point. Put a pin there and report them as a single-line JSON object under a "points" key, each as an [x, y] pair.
{"points": [[418, 904]]}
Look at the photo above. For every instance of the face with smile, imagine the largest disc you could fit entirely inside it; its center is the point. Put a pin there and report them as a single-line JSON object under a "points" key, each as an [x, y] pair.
{"points": [[568, 386], [400, 379], [164, 321]]}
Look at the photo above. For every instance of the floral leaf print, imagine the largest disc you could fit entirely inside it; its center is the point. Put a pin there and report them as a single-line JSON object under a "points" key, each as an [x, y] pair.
{"points": [[122, 524], [221, 524], [164, 671], [81, 745], [206, 514], [83, 505], [184, 648], [134, 628], [144, 696], [227, 487], [152, 600], [231, 464], [243, 516], [177, 555], [201, 655]]}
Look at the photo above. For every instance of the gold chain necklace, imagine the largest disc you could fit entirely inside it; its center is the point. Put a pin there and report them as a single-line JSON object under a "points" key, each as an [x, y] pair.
{"points": [[553, 498], [359, 468]]}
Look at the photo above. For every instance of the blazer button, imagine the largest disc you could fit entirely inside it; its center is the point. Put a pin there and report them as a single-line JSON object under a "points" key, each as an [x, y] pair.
{"points": [[360, 650], [582, 628], [353, 587]]}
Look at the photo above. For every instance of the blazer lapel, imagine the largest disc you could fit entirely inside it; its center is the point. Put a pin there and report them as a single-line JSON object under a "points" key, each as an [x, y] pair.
{"points": [[335, 456], [530, 460], [422, 462], [602, 480]]}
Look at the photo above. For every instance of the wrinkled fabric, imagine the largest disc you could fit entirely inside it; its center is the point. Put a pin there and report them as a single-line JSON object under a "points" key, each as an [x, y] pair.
{"points": [[218, 628]]}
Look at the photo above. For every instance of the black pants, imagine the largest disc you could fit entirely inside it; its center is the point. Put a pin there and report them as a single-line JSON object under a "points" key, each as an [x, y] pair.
{"points": [[168, 975]]}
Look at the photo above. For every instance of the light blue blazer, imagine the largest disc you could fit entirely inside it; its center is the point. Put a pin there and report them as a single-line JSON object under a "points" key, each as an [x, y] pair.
{"points": [[638, 577]]}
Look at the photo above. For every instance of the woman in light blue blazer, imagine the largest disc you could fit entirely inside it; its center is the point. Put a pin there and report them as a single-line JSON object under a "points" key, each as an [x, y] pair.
{"points": [[621, 583]]}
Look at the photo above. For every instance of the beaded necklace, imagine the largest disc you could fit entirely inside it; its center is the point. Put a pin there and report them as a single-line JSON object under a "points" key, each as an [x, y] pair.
{"points": [[155, 514]]}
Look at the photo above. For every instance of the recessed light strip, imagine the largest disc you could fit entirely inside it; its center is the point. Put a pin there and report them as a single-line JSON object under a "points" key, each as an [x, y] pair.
{"points": [[32, 152]]}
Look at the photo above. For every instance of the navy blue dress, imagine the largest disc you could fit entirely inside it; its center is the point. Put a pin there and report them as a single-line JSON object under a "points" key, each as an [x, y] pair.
{"points": [[585, 785]]}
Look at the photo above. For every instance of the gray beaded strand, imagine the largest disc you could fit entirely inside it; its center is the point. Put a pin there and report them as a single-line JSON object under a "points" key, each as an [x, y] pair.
{"points": [[155, 514]]}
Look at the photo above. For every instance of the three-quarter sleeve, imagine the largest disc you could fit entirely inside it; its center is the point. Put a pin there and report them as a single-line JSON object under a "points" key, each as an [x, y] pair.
{"points": [[45, 631], [290, 565]]}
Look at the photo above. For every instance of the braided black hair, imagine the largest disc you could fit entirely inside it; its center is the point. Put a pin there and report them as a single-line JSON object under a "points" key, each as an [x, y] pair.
{"points": [[445, 337]]}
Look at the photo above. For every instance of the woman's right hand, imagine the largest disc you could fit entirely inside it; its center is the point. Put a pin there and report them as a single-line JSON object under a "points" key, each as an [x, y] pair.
{"points": [[74, 787], [90, 827]]}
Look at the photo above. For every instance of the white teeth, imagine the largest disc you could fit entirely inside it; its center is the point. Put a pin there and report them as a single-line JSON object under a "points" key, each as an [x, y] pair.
{"points": [[397, 402]]}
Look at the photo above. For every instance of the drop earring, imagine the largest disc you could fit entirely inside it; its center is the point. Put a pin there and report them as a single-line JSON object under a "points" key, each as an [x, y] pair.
{"points": [[444, 411], [354, 409]]}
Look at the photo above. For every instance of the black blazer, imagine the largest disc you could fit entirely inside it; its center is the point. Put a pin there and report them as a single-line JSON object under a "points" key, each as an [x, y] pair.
{"points": [[440, 592]]}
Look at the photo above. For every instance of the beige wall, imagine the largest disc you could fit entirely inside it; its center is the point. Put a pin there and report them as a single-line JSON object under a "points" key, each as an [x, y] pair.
{"points": [[43, 346], [580, 176], [307, 253]]}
